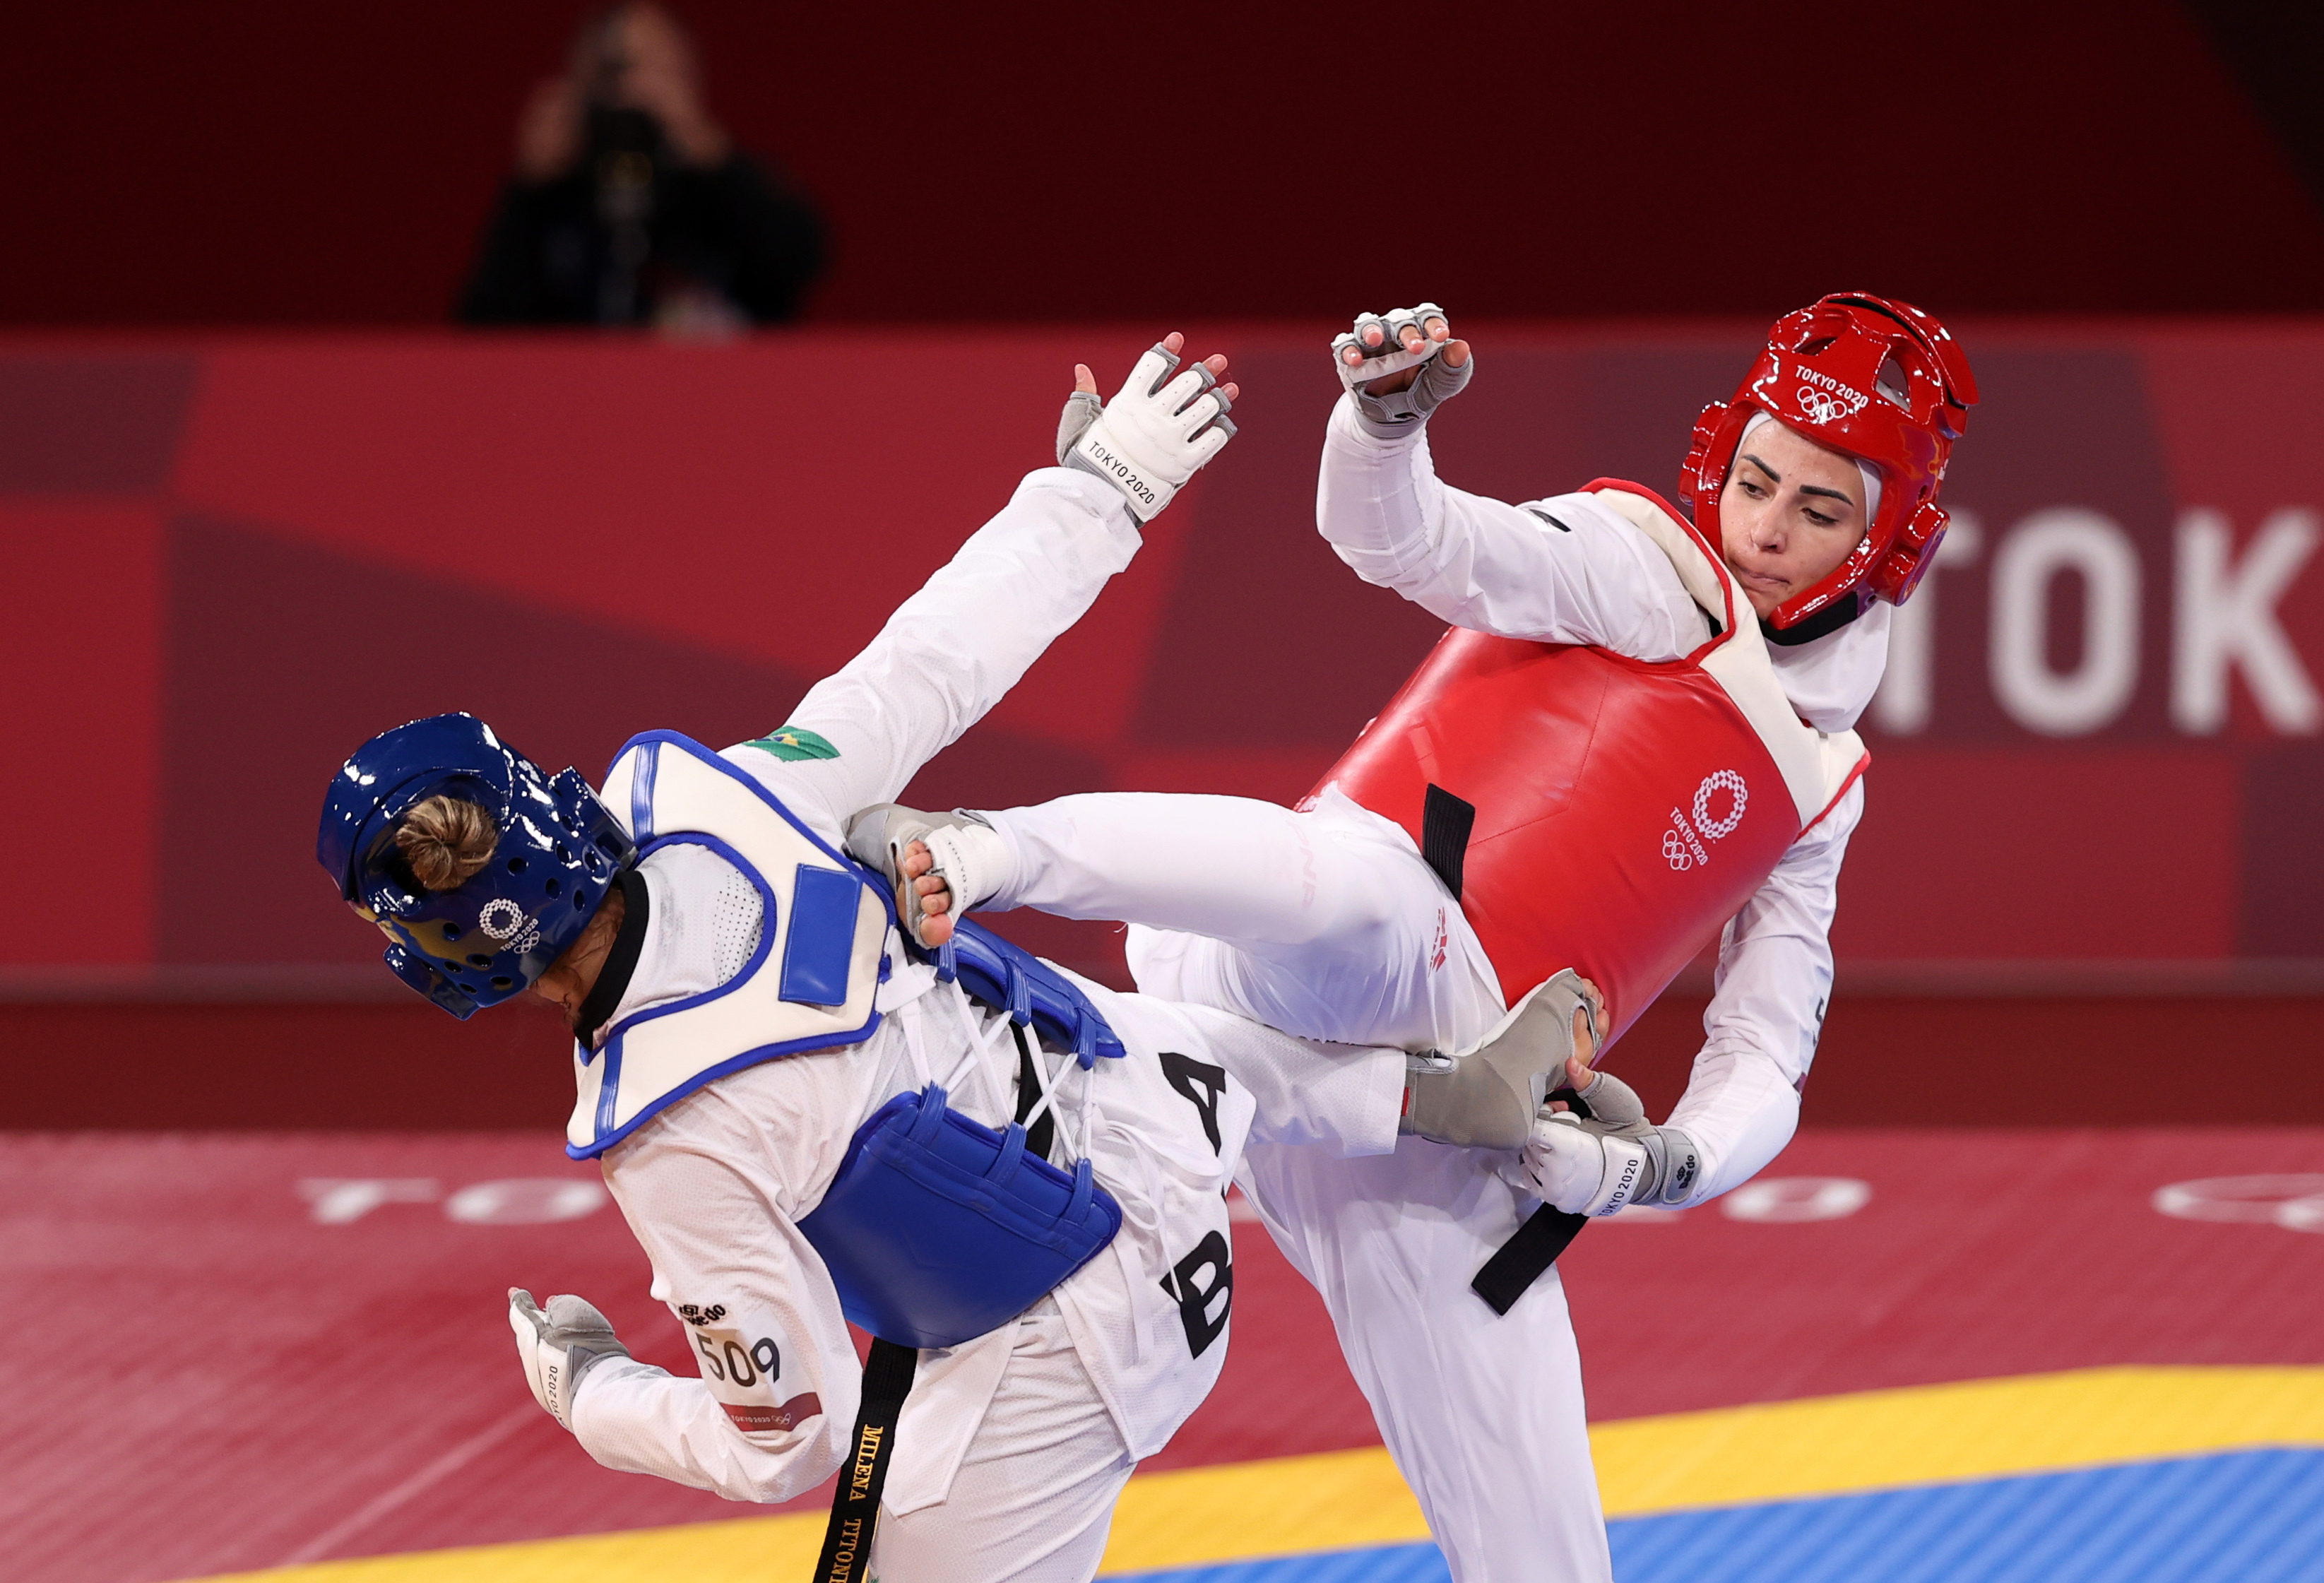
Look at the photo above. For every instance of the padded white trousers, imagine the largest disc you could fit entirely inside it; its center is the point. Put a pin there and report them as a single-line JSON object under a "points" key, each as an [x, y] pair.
{"points": [[1327, 924], [1033, 1501]]}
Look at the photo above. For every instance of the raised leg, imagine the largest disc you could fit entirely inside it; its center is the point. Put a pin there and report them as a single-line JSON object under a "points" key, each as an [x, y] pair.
{"points": [[1231, 867]]}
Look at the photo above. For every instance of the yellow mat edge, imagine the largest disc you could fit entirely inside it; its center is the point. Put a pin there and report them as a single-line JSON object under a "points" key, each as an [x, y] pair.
{"points": [[1850, 1443]]}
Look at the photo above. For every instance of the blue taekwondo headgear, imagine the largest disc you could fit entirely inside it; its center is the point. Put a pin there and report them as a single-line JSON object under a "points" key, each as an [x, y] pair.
{"points": [[494, 936]]}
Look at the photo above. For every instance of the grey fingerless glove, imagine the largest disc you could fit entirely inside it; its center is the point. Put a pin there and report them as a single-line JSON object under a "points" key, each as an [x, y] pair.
{"points": [[1400, 413], [1081, 409]]}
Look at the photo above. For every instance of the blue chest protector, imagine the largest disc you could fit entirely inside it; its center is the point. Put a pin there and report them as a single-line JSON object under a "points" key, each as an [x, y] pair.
{"points": [[936, 1228]]}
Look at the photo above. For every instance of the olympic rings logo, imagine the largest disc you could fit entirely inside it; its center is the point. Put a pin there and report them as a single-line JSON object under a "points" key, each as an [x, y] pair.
{"points": [[1719, 780], [1830, 406], [2293, 1201], [505, 922], [1683, 843]]}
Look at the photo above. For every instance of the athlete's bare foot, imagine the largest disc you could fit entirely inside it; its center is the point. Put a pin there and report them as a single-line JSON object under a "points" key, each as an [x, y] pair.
{"points": [[934, 896]]}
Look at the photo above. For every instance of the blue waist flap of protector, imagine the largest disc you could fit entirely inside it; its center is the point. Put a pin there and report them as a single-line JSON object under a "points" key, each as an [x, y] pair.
{"points": [[938, 1228]]}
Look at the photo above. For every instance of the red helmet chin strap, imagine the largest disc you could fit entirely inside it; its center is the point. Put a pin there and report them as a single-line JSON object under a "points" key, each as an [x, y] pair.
{"points": [[1873, 378]]}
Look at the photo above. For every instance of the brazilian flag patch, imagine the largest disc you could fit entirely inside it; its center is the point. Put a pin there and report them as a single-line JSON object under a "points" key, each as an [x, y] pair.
{"points": [[792, 742]]}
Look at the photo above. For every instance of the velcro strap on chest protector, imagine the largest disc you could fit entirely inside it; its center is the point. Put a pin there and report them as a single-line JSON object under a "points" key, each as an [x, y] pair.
{"points": [[937, 1229], [1009, 977]]}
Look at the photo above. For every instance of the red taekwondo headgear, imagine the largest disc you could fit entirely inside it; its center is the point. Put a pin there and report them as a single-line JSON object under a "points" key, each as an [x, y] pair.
{"points": [[1874, 379]]}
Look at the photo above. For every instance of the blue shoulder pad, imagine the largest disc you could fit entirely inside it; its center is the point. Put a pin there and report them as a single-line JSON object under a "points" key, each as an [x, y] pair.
{"points": [[1009, 977]]}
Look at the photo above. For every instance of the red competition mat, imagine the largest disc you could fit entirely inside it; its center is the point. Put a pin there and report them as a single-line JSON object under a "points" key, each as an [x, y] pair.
{"points": [[234, 1352]]}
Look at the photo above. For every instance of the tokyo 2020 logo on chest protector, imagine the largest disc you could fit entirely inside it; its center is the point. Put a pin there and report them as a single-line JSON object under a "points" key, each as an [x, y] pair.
{"points": [[1684, 843]]}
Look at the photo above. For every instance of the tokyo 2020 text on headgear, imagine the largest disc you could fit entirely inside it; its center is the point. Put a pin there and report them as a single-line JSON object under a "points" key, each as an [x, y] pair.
{"points": [[494, 936], [1874, 379]]}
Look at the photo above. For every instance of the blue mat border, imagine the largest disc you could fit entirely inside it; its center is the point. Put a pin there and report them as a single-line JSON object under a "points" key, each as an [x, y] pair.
{"points": [[2253, 1517]]}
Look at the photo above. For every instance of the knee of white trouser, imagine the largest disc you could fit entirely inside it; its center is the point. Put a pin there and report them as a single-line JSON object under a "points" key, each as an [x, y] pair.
{"points": [[1155, 957], [1378, 877], [963, 1541]]}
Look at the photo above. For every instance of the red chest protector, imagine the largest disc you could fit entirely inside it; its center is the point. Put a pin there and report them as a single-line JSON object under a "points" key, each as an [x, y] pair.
{"points": [[1624, 811]]}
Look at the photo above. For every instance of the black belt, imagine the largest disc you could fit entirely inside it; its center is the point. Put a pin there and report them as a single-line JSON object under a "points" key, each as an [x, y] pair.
{"points": [[1524, 1256], [855, 1503], [886, 1381], [1445, 822], [1536, 1246]]}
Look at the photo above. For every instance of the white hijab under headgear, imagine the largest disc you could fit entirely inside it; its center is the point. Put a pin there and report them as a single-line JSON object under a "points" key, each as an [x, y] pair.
{"points": [[1871, 473]]}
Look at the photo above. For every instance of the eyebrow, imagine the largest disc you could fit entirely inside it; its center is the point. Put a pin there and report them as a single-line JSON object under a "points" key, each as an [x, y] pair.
{"points": [[1776, 477]]}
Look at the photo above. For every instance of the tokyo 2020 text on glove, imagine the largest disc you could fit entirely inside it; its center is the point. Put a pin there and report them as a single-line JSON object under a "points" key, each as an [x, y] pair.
{"points": [[1153, 435], [558, 1345], [1605, 1155]]}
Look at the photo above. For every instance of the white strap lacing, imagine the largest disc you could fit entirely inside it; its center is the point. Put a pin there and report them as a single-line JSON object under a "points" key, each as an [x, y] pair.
{"points": [[986, 1038], [1141, 1212]]}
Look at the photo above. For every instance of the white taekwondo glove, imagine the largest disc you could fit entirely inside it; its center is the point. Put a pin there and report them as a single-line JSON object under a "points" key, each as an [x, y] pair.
{"points": [[971, 858], [1152, 436], [1488, 1097], [1400, 412], [559, 1347], [1599, 1163]]}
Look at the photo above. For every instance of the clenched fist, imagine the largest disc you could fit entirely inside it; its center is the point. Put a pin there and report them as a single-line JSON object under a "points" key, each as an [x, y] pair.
{"points": [[1401, 366]]}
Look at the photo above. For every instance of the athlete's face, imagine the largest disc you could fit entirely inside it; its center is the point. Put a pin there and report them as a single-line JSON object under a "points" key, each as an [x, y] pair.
{"points": [[1791, 512]]}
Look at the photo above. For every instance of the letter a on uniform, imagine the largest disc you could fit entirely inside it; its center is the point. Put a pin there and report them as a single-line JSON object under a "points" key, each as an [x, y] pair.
{"points": [[1202, 1084]]}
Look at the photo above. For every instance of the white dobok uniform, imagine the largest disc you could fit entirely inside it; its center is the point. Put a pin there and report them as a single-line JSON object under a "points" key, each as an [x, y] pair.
{"points": [[1328, 922], [1011, 1447]]}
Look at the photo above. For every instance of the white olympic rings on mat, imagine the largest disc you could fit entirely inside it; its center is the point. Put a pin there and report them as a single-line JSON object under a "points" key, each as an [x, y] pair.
{"points": [[2292, 1199]]}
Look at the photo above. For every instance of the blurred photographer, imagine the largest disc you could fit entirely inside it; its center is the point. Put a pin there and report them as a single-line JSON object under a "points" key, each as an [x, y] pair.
{"points": [[630, 206]]}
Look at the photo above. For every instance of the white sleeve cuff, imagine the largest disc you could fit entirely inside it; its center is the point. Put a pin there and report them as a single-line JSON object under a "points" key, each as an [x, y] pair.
{"points": [[1740, 1112], [1087, 493]]}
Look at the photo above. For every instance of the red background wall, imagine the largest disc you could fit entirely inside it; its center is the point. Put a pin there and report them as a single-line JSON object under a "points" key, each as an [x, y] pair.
{"points": [[232, 559], [264, 161], [235, 559]]}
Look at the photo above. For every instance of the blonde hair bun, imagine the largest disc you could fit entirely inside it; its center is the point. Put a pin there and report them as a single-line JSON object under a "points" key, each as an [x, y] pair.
{"points": [[447, 840]]}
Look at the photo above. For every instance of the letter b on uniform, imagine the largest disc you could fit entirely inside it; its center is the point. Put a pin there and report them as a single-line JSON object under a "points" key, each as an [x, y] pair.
{"points": [[1202, 1286]]}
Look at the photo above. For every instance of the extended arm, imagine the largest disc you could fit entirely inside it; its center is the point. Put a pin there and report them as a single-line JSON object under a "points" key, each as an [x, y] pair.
{"points": [[1743, 1099], [1561, 571], [1766, 1010], [954, 649]]}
